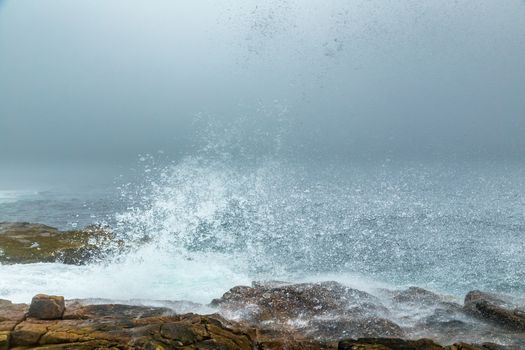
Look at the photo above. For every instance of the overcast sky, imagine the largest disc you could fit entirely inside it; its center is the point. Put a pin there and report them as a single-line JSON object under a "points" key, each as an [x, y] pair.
{"points": [[106, 80]]}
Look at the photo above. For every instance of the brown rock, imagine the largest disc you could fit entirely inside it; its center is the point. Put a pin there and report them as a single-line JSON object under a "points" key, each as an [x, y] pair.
{"points": [[28, 333], [78, 311], [5, 337], [416, 294], [354, 328], [492, 346], [277, 339], [420, 297], [11, 314], [494, 309], [181, 333], [388, 344], [286, 302], [47, 307], [465, 346], [327, 310], [292, 344]]}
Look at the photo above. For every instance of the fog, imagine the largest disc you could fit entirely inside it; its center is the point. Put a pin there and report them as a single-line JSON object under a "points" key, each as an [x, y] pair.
{"points": [[100, 82]]}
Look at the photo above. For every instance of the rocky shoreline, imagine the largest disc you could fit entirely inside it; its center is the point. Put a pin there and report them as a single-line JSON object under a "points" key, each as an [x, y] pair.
{"points": [[291, 316], [265, 316]]}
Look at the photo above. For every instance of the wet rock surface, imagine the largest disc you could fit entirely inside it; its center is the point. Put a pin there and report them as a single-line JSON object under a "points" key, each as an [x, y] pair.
{"points": [[499, 310], [327, 310], [420, 344], [24, 243], [328, 321], [330, 311], [444, 319], [388, 343]]}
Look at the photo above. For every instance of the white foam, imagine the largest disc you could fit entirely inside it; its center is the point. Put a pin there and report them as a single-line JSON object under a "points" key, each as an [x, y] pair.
{"points": [[147, 275]]}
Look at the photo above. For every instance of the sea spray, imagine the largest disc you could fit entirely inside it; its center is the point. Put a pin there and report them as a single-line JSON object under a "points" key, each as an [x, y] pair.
{"points": [[401, 224]]}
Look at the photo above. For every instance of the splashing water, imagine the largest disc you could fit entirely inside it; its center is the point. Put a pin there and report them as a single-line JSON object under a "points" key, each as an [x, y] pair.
{"points": [[401, 225], [224, 217], [199, 227]]}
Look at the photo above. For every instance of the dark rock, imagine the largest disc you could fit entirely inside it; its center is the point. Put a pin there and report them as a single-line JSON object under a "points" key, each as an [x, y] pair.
{"points": [[290, 301], [495, 309], [180, 333], [484, 346], [354, 328], [422, 344], [388, 344], [445, 321], [476, 295], [327, 310], [417, 295], [47, 307], [492, 346], [424, 298]]}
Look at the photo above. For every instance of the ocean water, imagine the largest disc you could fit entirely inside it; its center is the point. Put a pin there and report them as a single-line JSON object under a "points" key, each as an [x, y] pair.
{"points": [[199, 226]]}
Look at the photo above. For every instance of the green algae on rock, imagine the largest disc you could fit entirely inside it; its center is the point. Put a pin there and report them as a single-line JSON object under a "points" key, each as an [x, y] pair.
{"points": [[25, 243]]}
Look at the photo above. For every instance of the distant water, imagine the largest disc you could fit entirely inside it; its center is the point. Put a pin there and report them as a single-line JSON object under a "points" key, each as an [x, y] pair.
{"points": [[215, 223], [64, 208]]}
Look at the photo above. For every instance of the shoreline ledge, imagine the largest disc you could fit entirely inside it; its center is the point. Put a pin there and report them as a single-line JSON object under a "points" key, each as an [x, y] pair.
{"points": [[272, 321]]}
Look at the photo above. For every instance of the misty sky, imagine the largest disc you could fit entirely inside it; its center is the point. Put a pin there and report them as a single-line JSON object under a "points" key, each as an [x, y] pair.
{"points": [[104, 81]]}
